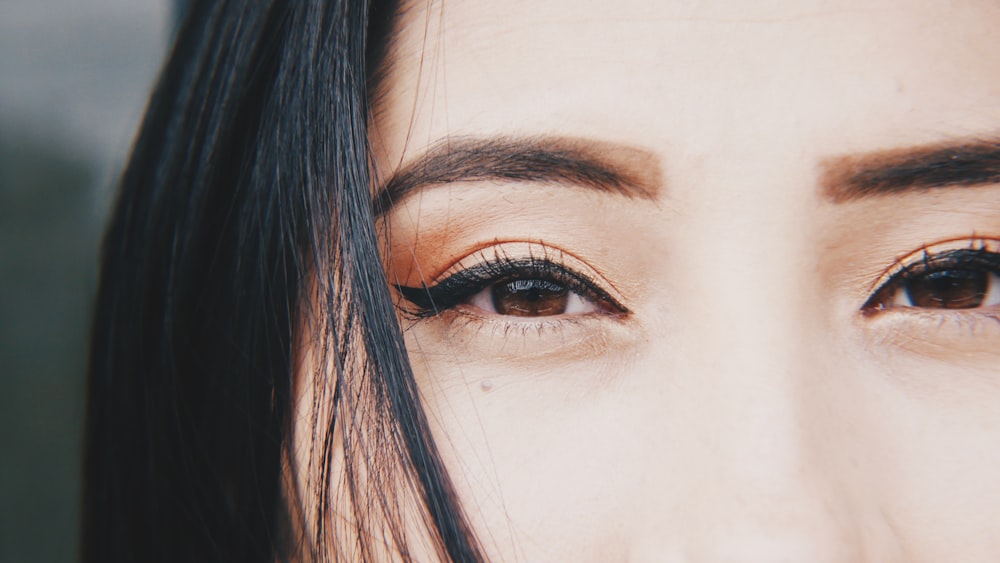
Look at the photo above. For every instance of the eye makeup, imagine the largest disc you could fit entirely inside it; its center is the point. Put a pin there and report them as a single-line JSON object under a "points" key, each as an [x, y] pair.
{"points": [[527, 303], [941, 301], [959, 274], [515, 280]]}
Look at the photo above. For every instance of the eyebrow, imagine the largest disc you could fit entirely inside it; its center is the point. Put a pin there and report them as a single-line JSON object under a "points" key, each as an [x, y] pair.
{"points": [[564, 161], [915, 169]]}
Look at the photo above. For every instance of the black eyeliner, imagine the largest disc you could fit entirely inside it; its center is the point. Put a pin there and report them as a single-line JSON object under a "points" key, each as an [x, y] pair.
{"points": [[462, 285], [964, 259], [969, 259]]}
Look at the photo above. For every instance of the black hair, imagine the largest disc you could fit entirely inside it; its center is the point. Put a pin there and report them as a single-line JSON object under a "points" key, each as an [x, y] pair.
{"points": [[243, 232]]}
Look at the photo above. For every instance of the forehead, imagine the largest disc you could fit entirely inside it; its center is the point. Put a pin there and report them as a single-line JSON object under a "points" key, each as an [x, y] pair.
{"points": [[707, 76]]}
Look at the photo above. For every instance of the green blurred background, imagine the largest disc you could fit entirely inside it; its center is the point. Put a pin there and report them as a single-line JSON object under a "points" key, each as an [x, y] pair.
{"points": [[74, 77]]}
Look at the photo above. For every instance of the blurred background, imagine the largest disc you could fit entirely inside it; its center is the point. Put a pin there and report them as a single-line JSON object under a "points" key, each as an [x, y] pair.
{"points": [[74, 78]]}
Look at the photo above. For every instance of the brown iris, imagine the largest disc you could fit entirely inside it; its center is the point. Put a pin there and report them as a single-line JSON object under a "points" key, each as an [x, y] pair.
{"points": [[529, 298], [949, 289]]}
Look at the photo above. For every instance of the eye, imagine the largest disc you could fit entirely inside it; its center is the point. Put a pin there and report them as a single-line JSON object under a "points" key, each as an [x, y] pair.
{"points": [[949, 289], [529, 287], [955, 279], [532, 298]]}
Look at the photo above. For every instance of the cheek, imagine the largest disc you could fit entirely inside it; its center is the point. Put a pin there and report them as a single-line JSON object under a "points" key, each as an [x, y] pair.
{"points": [[537, 455], [591, 460], [940, 436], [945, 490], [311, 419], [341, 476]]}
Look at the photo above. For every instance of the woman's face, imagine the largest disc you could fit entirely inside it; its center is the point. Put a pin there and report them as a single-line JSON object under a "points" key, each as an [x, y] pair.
{"points": [[716, 280]]}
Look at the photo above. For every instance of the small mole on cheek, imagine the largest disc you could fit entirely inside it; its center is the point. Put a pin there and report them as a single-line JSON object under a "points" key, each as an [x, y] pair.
{"points": [[486, 386]]}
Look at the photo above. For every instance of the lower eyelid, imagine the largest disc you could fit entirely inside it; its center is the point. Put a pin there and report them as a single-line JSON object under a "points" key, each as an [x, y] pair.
{"points": [[464, 333], [966, 335], [559, 330]]}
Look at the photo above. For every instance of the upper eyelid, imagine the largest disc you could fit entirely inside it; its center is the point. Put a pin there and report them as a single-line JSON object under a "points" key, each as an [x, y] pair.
{"points": [[906, 261], [515, 268], [519, 265], [539, 250], [501, 252], [975, 260], [926, 262], [951, 258]]}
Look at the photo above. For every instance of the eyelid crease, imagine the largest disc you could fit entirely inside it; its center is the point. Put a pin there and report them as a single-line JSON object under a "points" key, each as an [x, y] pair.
{"points": [[513, 248]]}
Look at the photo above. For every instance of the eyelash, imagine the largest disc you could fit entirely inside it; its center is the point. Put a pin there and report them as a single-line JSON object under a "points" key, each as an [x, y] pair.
{"points": [[976, 260], [460, 287], [457, 289]]}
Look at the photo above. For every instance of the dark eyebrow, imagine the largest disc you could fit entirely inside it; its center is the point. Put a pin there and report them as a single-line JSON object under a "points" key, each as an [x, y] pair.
{"points": [[597, 165], [962, 164]]}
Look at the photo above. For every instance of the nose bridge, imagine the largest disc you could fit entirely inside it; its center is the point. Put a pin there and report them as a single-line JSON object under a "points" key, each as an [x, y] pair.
{"points": [[765, 489], [757, 476], [759, 481]]}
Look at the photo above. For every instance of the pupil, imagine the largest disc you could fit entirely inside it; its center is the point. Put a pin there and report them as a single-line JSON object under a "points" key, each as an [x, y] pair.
{"points": [[529, 298], [952, 289]]}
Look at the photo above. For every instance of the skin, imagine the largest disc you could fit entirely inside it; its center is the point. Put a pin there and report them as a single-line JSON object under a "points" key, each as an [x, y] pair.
{"points": [[744, 407]]}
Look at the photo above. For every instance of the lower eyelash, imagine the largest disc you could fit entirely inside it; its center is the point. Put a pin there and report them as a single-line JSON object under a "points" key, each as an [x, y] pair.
{"points": [[955, 332], [505, 327]]}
